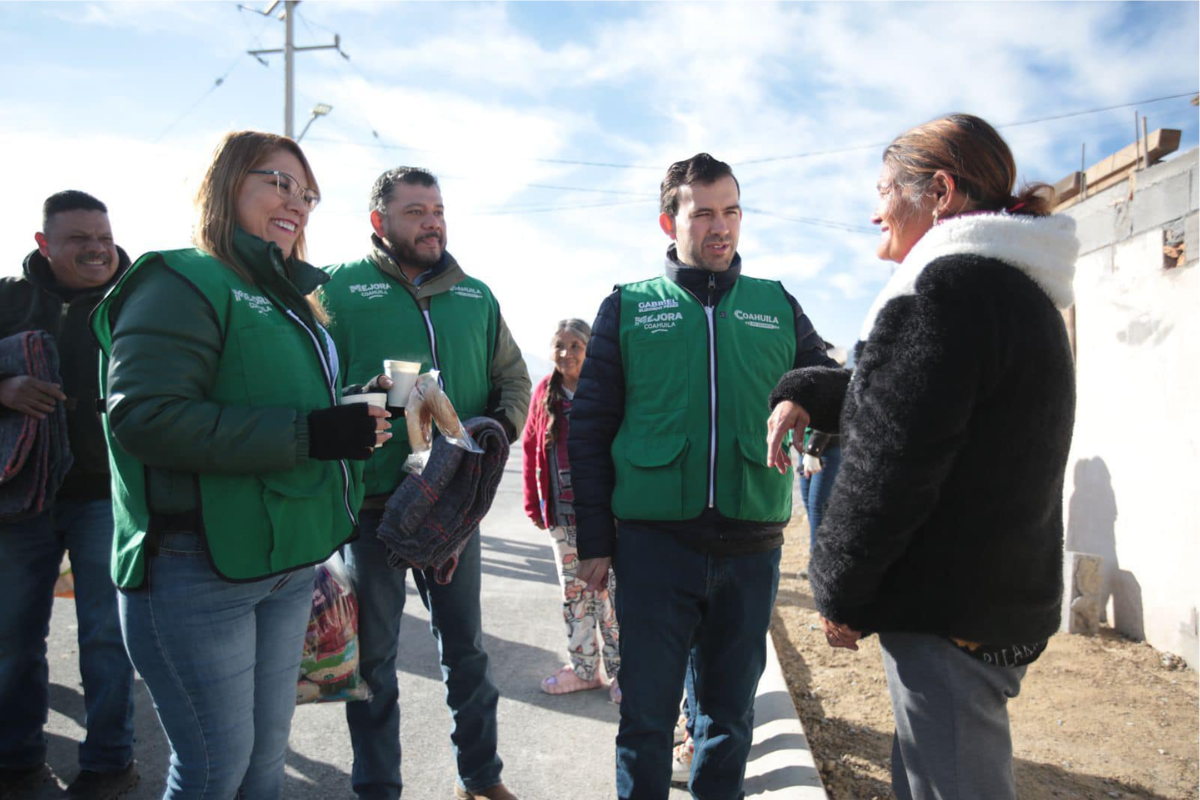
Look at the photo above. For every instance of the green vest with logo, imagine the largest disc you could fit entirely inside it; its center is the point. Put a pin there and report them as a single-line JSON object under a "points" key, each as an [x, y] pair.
{"points": [[255, 525], [696, 387], [375, 318]]}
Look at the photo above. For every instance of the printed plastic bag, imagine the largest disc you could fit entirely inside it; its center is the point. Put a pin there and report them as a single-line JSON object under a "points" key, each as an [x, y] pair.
{"points": [[329, 669], [428, 405]]}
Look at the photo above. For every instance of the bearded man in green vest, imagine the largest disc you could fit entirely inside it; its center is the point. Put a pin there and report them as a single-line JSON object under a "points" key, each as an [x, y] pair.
{"points": [[668, 451], [409, 300]]}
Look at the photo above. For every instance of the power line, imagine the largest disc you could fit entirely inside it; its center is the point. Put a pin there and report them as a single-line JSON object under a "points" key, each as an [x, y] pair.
{"points": [[814, 221], [500, 212], [216, 84], [877, 145]]}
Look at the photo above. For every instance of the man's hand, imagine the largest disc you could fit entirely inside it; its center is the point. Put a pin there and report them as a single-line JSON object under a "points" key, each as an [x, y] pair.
{"points": [[594, 572], [787, 416], [537, 523], [839, 635], [30, 396]]}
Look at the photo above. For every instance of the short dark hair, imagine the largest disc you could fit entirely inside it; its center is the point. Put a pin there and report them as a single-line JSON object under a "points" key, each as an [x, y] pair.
{"points": [[381, 192], [700, 168], [70, 200]]}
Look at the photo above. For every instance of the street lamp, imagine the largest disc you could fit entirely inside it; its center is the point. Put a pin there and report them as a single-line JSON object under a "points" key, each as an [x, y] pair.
{"points": [[319, 110]]}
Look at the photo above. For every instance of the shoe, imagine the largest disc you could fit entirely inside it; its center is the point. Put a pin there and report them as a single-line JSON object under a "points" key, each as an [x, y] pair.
{"points": [[13, 781], [681, 763], [681, 731], [566, 681], [497, 792], [91, 785]]}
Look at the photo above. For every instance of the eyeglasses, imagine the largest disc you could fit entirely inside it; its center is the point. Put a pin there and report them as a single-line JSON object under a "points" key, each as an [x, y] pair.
{"points": [[287, 186]]}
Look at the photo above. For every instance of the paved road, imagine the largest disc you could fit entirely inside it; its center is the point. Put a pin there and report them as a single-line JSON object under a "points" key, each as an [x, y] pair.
{"points": [[553, 747]]}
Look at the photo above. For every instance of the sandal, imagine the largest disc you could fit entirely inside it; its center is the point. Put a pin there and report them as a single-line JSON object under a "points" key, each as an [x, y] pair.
{"points": [[566, 681]]}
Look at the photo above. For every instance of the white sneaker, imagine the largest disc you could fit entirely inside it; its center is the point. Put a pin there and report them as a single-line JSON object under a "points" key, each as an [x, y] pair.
{"points": [[681, 762]]}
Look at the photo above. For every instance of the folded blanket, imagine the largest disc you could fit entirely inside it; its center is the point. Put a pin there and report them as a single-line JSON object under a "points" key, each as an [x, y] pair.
{"points": [[34, 454], [430, 517]]}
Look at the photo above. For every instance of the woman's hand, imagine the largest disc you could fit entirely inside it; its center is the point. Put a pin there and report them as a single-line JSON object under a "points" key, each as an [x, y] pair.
{"points": [[381, 424], [839, 635], [787, 416], [537, 523]]}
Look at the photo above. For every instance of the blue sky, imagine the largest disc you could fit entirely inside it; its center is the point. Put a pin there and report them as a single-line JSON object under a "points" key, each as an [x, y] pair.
{"points": [[114, 98]]}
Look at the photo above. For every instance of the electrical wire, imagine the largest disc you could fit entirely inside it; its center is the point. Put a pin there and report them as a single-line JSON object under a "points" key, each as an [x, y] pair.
{"points": [[218, 83]]}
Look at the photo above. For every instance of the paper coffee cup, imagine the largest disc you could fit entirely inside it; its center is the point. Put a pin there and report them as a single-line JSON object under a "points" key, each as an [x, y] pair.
{"points": [[404, 378], [377, 399]]}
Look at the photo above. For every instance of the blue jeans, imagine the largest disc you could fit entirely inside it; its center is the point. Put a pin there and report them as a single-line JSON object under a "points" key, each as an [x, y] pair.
{"points": [[456, 623], [816, 490], [676, 603], [221, 661], [31, 551]]}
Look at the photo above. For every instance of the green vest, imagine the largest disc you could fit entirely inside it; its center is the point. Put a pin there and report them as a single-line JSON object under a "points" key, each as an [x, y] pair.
{"points": [[697, 380], [374, 318], [255, 525]]}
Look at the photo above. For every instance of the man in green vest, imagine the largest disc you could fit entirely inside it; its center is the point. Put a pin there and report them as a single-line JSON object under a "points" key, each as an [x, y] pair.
{"points": [[409, 300], [668, 448]]}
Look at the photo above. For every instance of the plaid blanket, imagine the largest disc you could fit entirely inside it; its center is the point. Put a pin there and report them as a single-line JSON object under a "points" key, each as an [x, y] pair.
{"points": [[34, 454], [430, 517]]}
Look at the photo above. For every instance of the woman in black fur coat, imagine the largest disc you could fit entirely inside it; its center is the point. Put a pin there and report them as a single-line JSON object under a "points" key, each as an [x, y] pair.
{"points": [[944, 531]]}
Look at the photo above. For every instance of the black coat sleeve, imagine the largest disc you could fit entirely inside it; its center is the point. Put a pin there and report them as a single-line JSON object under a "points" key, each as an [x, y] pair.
{"points": [[816, 382], [596, 415], [906, 419]]}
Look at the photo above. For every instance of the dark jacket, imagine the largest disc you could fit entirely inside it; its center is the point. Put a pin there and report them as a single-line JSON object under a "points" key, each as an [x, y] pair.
{"points": [[599, 408], [946, 516], [159, 397], [35, 301]]}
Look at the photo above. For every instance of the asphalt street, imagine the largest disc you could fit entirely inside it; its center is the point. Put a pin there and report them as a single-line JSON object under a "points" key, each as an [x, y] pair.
{"points": [[552, 746]]}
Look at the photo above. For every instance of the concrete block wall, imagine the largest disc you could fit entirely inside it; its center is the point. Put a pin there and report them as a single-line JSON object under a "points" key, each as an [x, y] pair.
{"points": [[1131, 491]]}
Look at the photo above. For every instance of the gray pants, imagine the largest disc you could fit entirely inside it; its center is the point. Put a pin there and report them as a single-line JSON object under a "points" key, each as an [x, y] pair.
{"points": [[952, 739]]}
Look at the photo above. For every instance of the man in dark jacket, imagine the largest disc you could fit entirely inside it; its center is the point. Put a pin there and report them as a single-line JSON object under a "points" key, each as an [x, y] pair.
{"points": [[409, 300], [75, 263], [668, 450]]}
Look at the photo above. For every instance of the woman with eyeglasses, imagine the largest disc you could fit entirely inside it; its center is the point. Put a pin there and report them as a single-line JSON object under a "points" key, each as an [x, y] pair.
{"points": [[230, 462]]}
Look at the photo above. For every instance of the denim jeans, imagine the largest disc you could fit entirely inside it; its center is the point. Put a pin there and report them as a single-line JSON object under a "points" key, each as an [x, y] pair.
{"points": [[31, 551], [816, 490], [676, 603], [221, 661], [456, 623]]}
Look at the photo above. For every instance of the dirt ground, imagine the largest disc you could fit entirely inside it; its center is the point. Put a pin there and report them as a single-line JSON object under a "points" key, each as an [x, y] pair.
{"points": [[1097, 717]]}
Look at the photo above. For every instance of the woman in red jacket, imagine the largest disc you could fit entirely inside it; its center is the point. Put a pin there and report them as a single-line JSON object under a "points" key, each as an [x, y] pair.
{"points": [[549, 503]]}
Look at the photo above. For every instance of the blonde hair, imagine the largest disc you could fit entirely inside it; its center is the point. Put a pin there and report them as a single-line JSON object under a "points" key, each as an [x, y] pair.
{"points": [[236, 154]]}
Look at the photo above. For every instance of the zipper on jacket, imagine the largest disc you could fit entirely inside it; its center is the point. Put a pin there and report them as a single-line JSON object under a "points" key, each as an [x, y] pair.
{"points": [[712, 390], [325, 368], [712, 384]]}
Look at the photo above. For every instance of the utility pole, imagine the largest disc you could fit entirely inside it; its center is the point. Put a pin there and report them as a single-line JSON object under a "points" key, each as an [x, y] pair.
{"points": [[289, 51]]}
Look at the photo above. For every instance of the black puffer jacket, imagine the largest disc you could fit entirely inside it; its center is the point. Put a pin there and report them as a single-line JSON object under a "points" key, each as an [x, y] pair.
{"points": [[946, 516], [35, 301], [599, 408]]}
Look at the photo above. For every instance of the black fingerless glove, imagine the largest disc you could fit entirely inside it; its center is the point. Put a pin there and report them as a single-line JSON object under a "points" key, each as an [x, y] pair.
{"points": [[341, 432]]}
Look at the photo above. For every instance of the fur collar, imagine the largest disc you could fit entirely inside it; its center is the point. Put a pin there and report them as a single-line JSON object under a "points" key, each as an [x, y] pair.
{"points": [[1044, 248]]}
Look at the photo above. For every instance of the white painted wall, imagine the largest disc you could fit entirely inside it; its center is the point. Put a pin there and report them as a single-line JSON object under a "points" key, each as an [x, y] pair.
{"points": [[1132, 491]]}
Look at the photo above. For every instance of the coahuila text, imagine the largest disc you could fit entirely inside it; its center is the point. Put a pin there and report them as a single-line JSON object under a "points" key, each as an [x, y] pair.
{"points": [[757, 320], [370, 290], [657, 322], [259, 303]]}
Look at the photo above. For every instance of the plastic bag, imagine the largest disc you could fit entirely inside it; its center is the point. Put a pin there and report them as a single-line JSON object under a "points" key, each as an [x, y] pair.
{"points": [[428, 405], [329, 670]]}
